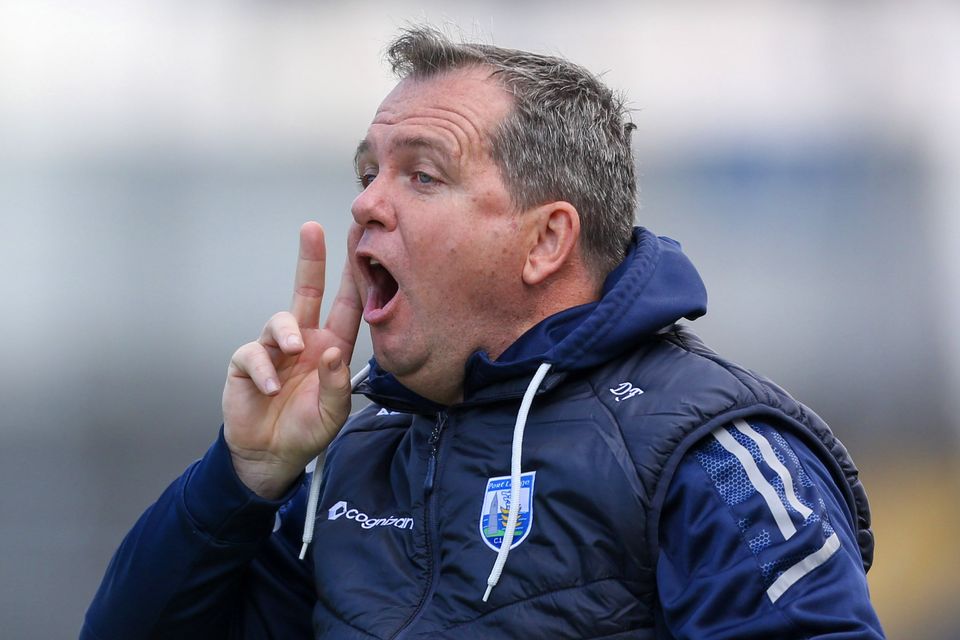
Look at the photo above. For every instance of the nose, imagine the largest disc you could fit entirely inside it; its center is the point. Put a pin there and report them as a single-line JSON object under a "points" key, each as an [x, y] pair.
{"points": [[374, 205]]}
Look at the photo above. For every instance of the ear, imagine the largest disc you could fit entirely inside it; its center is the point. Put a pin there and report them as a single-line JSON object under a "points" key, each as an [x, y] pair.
{"points": [[554, 236]]}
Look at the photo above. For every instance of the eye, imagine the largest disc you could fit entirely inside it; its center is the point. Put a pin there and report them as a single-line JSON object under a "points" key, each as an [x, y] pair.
{"points": [[365, 179], [424, 178]]}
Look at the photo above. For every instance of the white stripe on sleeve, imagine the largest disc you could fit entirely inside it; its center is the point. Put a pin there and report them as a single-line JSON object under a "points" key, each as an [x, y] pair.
{"points": [[789, 577], [766, 451], [760, 483]]}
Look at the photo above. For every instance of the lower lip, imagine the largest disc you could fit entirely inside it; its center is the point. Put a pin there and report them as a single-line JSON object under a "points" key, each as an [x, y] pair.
{"points": [[383, 314]]}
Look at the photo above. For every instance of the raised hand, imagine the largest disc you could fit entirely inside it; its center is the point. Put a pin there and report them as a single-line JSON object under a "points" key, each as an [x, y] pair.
{"points": [[288, 393]]}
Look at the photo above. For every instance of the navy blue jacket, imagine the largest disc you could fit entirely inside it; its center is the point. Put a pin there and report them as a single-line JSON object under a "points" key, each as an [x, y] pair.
{"points": [[665, 493]]}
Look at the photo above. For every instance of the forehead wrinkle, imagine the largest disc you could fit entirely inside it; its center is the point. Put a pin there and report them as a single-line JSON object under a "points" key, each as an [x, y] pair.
{"points": [[445, 137], [467, 126], [432, 141], [420, 142], [467, 121]]}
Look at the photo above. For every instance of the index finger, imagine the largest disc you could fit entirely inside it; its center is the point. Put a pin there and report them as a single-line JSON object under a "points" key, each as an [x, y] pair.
{"points": [[309, 281]]}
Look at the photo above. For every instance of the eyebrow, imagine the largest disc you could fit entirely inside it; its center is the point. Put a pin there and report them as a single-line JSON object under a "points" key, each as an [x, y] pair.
{"points": [[412, 142]]}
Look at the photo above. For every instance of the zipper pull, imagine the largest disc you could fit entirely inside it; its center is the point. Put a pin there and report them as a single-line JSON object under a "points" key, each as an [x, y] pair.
{"points": [[431, 472], [432, 460]]}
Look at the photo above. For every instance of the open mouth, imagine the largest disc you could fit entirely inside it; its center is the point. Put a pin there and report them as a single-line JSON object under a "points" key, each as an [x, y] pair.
{"points": [[383, 288]]}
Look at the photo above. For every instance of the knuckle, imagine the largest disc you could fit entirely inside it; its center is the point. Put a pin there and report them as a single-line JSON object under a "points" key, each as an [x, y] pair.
{"points": [[349, 302], [278, 319], [244, 352], [263, 369], [307, 291]]}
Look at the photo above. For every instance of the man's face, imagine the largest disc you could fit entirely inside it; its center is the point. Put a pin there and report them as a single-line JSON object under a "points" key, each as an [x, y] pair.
{"points": [[442, 252]]}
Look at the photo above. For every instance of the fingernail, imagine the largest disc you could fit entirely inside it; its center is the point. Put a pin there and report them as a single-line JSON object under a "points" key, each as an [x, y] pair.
{"points": [[335, 365], [294, 342], [271, 385]]}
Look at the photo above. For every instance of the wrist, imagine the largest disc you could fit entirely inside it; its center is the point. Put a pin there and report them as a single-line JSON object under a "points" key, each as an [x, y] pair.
{"points": [[221, 506], [269, 479]]}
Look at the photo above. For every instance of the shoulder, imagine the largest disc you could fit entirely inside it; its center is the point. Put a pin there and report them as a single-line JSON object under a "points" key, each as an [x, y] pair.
{"points": [[752, 511], [663, 396], [676, 374]]}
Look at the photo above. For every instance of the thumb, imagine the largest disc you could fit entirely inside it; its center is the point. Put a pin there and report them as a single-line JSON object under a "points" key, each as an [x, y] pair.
{"points": [[333, 395]]}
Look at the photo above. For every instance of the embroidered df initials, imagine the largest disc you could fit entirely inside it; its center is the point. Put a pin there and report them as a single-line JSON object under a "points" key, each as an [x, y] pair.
{"points": [[625, 391]]}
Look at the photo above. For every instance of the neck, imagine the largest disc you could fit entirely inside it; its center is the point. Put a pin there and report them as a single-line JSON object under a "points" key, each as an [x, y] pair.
{"points": [[531, 306]]}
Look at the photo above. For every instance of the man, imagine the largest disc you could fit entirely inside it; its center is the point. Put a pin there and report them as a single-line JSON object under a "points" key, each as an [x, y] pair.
{"points": [[548, 454]]}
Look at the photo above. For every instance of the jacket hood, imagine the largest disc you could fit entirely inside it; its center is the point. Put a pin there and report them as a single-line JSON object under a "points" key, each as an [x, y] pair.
{"points": [[654, 286]]}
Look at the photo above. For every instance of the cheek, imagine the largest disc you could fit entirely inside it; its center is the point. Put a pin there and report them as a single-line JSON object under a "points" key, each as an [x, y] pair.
{"points": [[474, 250], [503, 253]]}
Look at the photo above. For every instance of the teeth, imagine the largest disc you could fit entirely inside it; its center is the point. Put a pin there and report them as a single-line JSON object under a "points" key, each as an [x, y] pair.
{"points": [[374, 262]]}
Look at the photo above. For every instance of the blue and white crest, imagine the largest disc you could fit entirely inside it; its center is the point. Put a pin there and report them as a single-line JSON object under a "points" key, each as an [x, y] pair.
{"points": [[496, 507]]}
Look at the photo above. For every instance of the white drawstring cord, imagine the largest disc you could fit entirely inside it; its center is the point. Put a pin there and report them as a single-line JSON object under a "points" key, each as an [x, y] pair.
{"points": [[315, 480], [312, 503], [516, 450]]}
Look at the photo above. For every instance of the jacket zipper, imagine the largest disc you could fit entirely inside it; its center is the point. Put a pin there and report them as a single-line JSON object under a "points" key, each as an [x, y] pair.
{"points": [[433, 551], [432, 460]]}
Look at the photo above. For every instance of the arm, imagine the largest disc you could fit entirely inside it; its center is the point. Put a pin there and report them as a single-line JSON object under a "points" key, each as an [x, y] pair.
{"points": [[735, 564], [201, 562], [190, 567]]}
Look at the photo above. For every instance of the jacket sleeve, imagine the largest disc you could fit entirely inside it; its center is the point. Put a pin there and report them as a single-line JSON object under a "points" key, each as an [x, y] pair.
{"points": [[756, 542], [210, 559]]}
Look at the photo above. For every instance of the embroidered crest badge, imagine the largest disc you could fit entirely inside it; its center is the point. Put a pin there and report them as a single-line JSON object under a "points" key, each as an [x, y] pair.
{"points": [[496, 509]]}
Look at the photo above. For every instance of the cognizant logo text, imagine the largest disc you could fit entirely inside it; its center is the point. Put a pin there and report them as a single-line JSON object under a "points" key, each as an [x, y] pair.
{"points": [[342, 509]]}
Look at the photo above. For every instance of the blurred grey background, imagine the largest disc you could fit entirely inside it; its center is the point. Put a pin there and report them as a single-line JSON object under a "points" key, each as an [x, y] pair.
{"points": [[157, 159]]}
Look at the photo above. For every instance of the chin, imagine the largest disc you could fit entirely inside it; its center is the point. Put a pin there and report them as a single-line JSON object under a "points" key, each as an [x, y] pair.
{"points": [[392, 359], [412, 371]]}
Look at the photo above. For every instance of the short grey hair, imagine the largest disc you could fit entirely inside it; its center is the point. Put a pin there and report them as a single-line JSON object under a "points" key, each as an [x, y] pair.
{"points": [[567, 137]]}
